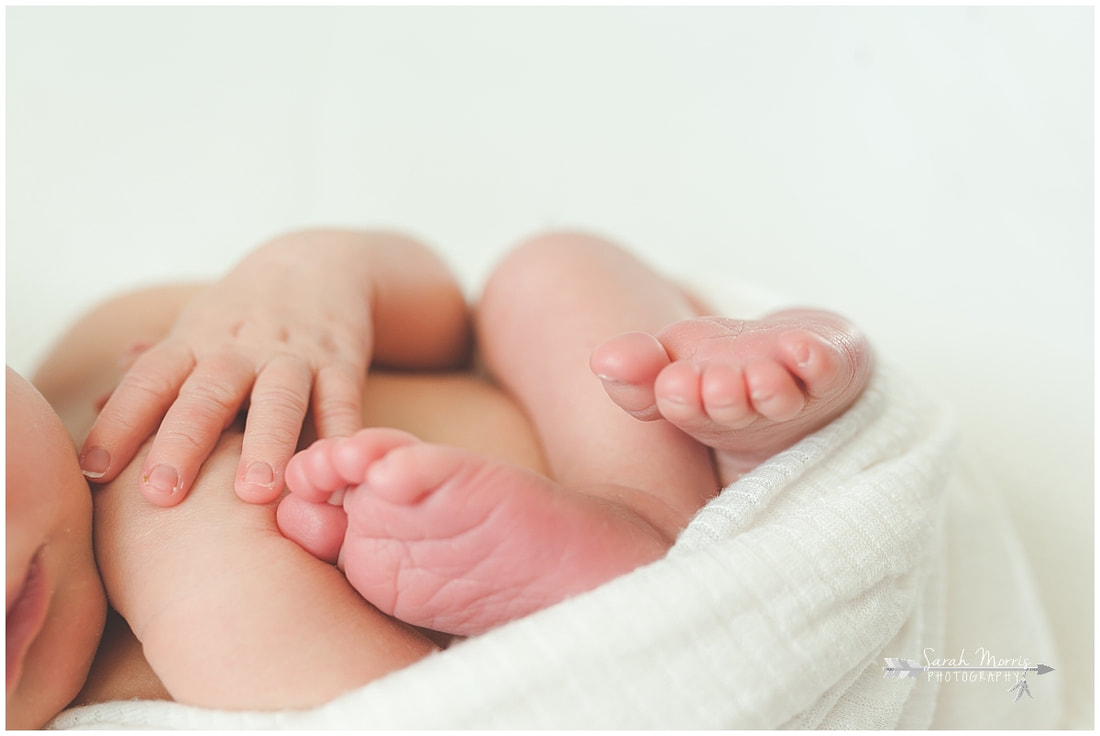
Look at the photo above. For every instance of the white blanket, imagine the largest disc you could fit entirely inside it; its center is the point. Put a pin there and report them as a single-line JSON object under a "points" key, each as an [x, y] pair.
{"points": [[776, 608]]}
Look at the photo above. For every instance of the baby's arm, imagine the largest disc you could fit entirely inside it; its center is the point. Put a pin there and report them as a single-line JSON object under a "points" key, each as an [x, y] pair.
{"points": [[229, 612], [294, 326]]}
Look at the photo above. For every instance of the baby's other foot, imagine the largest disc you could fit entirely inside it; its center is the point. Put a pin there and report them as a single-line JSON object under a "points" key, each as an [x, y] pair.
{"points": [[747, 388], [456, 542]]}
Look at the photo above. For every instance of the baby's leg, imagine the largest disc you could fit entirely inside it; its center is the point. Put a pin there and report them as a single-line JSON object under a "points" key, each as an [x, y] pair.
{"points": [[448, 539], [230, 613], [457, 541], [548, 305]]}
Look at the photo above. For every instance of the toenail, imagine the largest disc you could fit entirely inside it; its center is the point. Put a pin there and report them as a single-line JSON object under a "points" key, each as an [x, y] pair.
{"points": [[259, 473], [801, 353], [163, 479], [94, 463], [798, 347]]}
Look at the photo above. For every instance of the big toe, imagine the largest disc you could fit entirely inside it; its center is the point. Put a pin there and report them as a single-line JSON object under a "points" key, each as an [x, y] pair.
{"points": [[628, 365], [352, 456], [317, 527]]}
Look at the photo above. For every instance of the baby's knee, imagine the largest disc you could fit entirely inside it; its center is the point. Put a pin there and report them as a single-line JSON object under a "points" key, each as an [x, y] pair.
{"points": [[548, 261], [559, 249]]}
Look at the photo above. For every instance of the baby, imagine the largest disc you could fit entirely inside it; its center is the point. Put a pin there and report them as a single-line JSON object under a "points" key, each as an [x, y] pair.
{"points": [[492, 513], [223, 606], [449, 540]]}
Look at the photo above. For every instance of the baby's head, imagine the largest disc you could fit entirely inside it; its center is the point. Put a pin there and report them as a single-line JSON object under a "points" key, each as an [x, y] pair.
{"points": [[56, 605]]}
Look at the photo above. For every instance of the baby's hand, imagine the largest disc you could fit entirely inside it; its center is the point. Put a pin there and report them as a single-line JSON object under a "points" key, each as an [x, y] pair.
{"points": [[272, 338]]}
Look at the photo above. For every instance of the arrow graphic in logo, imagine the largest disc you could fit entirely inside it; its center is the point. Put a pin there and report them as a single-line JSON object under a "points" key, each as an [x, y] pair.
{"points": [[900, 669], [903, 668]]}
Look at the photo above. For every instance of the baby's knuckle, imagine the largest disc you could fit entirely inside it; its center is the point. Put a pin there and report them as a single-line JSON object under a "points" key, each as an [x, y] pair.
{"points": [[341, 403], [147, 383], [182, 438], [346, 374], [336, 416], [290, 365], [340, 344], [122, 420], [219, 397], [283, 400], [274, 435], [198, 415]]}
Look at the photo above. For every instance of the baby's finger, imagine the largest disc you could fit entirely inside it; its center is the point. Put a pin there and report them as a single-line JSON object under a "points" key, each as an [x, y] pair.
{"points": [[135, 351], [208, 402], [133, 411], [278, 407], [338, 399]]}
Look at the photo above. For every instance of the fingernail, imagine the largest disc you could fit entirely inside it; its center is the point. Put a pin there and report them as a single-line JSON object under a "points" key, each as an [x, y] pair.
{"points": [[163, 479], [95, 462], [259, 473]]}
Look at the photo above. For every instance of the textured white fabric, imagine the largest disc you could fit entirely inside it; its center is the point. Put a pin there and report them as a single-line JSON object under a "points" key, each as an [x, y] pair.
{"points": [[774, 609]]}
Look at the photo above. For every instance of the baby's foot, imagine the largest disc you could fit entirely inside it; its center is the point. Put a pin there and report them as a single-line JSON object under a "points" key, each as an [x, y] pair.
{"points": [[452, 541], [747, 388]]}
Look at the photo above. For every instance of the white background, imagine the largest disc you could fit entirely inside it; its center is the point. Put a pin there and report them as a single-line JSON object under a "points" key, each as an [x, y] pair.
{"points": [[928, 172]]}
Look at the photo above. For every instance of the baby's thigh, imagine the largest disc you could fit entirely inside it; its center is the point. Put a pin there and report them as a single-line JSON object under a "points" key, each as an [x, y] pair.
{"points": [[230, 613], [459, 409], [134, 539]]}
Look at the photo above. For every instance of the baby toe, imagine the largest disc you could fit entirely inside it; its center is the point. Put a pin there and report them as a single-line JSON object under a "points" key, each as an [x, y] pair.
{"points": [[408, 474], [679, 396], [773, 391], [316, 527], [352, 456], [816, 362], [632, 357], [725, 399], [310, 473], [628, 365]]}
